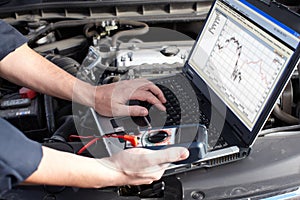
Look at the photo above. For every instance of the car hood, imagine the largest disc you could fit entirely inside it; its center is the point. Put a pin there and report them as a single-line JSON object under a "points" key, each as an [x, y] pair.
{"points": [[151, 10]]}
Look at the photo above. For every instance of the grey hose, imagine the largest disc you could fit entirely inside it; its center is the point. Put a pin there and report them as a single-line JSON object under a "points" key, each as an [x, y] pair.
{"points": [[72, 23], [61, 24], [280, 129], [137, 31], [285, 117]]}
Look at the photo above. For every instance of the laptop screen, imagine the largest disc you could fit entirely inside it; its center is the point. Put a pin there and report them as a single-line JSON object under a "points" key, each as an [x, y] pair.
{"points": [[241, 54]]}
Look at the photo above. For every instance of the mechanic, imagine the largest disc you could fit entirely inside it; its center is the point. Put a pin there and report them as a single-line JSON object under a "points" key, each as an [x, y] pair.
{"points": [[23, 160]]}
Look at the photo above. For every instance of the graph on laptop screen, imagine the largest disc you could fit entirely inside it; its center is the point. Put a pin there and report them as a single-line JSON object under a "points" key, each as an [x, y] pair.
{"points": [[240, 61]]}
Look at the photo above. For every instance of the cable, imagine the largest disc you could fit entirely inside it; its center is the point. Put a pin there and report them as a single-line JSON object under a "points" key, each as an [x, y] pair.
{"points": [[61, 24], [87, 32], [72, 23], [80, 137], [135, 40], [137, 31], [129, 138], [67, 127], [52, 140], [283, 116], [279, 129], [87, 145], [49, 113]]}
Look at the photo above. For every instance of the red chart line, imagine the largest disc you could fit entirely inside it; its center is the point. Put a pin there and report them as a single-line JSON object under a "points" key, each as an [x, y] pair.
{"points": [[259, 62]]}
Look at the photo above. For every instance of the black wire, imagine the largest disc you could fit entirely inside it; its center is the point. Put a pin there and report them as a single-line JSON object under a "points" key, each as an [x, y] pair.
{"points": [[52, 140]]}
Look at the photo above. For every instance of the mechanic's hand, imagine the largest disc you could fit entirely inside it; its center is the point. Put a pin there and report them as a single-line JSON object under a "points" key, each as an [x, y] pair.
{"points": [[139, 166], [111, 99]]}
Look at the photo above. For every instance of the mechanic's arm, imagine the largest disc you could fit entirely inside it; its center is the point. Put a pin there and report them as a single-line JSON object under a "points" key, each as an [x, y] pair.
{"points": [[22, 159], [61, 168], [27, 68]]}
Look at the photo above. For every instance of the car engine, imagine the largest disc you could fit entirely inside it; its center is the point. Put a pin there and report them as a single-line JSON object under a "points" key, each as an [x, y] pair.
{"points": [[104, 50], [109, 51]]}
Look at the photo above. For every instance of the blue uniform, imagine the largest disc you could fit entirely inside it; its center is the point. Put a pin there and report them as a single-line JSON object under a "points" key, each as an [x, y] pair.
{"points": [[19, 156]]}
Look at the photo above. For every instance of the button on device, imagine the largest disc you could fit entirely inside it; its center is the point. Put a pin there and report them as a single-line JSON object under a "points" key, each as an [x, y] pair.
{"points": [[157, 136]]}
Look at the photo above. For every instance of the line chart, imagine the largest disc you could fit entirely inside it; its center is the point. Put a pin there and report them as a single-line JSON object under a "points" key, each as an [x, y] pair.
{"points": [[242, 67]]}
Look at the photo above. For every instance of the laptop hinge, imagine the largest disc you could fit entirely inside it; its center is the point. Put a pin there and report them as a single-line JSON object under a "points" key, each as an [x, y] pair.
{"points": [[238, 133], [190, 74]]}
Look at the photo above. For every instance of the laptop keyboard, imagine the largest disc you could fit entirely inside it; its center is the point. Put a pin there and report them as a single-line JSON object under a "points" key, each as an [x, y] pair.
{"points": [[179, 113], [182, 106]]}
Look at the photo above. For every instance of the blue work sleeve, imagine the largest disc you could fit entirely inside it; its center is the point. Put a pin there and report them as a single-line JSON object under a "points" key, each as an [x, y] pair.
{"points": [[19, 156], [10, 39]]}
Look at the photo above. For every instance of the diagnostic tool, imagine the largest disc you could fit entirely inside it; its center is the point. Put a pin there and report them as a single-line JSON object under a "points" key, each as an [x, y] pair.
{"points": [[167, 137]]}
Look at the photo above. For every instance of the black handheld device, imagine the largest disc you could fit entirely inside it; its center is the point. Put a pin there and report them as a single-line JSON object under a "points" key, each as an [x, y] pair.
{"points": [[167, 137]]}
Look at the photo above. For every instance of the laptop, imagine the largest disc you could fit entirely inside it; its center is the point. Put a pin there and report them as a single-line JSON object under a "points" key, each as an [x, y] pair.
{"points": [[240, 63]]}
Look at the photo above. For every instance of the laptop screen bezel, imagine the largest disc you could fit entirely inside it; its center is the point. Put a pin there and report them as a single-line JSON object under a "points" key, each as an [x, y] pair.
{"points": [[246, 135]]}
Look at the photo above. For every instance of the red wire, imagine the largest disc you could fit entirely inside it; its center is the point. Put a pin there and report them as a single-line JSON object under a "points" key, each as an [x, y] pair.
{"points": [[130, 138], [93, 141]]}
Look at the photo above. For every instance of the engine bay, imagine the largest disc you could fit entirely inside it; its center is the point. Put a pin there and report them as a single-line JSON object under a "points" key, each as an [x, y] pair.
{"points": [[123, 50], [120, 49]]}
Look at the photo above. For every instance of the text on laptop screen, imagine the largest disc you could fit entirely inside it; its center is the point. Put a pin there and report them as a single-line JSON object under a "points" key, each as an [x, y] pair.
{"points": [[241, 61]]}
